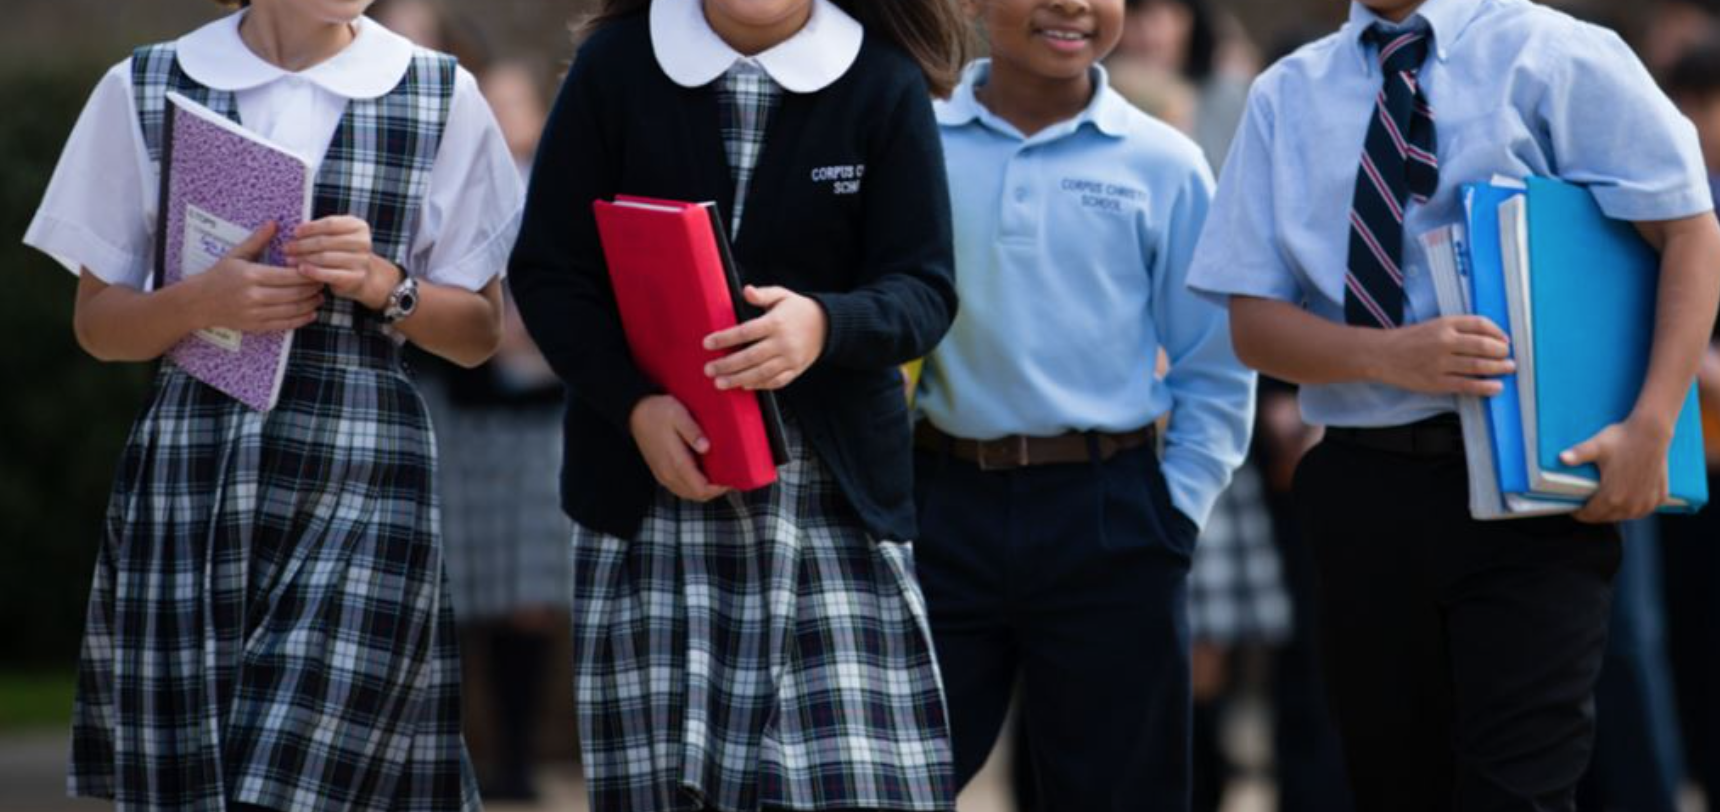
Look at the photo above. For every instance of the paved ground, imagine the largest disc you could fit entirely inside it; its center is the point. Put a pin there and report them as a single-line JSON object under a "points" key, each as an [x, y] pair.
{"points": [[31, 767]]}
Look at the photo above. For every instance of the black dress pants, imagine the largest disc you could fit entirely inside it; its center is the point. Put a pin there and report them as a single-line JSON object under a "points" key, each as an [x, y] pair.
{"points": [[1073, 577], [1460, 656]]}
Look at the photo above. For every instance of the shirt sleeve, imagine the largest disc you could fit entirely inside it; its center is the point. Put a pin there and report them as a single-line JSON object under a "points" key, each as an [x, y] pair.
{"points": [[557, 272], [1212, 393], [1614, 131], [1239, 253], [471, 212], [99, 208]]}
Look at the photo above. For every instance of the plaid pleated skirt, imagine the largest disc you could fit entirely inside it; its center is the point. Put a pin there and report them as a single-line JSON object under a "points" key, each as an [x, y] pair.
{"points": [[759, 651], [1237, 594], [268, 622], [503, 533]]}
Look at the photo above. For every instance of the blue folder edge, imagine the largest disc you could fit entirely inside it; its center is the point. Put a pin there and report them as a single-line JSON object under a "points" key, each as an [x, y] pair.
{"points": [[1568, 229], [1487, 294], [1574, 207]]}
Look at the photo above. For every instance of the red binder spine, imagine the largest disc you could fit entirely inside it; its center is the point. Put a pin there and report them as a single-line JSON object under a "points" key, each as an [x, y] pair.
{"points": [[667, 271]]}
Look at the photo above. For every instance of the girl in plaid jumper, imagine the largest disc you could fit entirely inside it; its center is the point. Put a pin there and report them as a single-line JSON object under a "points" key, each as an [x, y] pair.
{"points": [[769, 649], [268, 624]]}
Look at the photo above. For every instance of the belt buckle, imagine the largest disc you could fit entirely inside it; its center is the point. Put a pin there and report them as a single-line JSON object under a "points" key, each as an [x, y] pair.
{"points": [[1013, 453]]}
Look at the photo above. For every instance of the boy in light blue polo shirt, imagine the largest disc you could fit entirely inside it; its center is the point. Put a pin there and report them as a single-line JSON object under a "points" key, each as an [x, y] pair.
{"points": [[1054, 542], [1461, 655]]}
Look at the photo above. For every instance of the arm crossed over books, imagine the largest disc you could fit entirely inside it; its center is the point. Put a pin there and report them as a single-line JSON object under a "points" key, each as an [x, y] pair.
{"points": [[1632, 454]]}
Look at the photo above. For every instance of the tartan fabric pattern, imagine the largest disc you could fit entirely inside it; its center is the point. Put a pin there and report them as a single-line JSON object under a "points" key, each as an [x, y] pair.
{"points": [[746, 96], [759, 651], [1236, 584], [268, 621], [503, 532]]}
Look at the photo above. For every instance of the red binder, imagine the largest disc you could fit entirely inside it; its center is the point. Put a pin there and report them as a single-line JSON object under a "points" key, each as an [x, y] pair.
{"points": [[675, 283]]}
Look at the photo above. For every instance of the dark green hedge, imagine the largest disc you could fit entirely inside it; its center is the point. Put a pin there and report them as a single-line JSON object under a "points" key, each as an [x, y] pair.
{"points": [[63, 416]]}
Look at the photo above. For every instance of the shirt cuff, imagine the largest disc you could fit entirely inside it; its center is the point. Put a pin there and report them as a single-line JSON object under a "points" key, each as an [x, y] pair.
{"points": [[1194, 484], [842, 317], [1219, 288], [76, 248], [1638, 206]]}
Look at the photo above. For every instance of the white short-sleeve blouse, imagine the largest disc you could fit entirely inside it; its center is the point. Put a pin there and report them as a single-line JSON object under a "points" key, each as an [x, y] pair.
{"points": [[99, 210]]}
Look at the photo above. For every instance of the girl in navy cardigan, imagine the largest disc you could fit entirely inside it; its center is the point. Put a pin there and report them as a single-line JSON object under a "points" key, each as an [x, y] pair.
{"points": [[765, 649]]}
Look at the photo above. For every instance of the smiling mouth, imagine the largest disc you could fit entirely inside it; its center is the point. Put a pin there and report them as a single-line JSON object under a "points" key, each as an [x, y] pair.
{"points": [[1064, 40]]}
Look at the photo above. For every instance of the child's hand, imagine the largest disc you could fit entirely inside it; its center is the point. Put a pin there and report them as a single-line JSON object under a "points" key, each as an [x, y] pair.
{"points": [[238, 293], [783, 342], [336, 251], [1451, 355], [1632, 459], [668, 436]]}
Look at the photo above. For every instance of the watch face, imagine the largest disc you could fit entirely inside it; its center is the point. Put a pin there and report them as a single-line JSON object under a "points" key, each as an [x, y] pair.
{"points": [[403, 301]]}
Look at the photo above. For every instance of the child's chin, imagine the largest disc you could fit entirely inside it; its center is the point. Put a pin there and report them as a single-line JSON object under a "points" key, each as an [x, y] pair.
{"points": [[1069, 67]]}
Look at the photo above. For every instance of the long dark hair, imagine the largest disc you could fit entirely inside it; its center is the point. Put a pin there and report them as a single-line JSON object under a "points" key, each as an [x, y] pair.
{"points": [[933, 32]]}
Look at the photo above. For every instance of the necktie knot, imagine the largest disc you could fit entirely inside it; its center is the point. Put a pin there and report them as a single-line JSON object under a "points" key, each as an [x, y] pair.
{"points": [[1401, 49]]}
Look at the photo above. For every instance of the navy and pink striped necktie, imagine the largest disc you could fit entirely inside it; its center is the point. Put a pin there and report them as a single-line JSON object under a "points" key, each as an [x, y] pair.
{"points": [[1399, 162]]}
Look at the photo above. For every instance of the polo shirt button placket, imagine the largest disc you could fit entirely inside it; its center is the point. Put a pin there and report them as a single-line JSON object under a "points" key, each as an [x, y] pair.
{"points": [[1016, 217]]}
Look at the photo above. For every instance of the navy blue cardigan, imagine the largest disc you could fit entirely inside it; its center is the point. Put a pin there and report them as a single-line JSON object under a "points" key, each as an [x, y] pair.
{"points": [[848, 205]]}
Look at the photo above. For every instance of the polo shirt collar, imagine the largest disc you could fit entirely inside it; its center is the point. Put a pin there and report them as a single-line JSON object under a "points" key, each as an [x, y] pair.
{"points": [[814, 58], [1108, 112], [373, 64], [1446, 18]]}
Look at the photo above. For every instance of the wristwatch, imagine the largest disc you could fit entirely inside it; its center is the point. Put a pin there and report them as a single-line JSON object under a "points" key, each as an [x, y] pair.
{"points": [[402, 301]]}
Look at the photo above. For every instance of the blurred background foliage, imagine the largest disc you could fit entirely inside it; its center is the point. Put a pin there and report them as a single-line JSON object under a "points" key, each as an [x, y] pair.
{"points": [[64, 415]]}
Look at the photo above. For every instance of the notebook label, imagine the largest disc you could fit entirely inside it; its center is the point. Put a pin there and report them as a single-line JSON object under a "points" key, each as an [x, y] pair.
{"points": [[207, 239]]}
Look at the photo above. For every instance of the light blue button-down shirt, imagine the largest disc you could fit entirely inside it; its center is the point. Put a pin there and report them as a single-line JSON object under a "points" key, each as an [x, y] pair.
{"points": [[1071, 252], [1517, 89]]}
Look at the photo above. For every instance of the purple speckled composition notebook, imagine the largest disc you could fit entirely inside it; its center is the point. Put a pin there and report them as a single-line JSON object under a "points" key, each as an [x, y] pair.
{"points": [[220, 183]]}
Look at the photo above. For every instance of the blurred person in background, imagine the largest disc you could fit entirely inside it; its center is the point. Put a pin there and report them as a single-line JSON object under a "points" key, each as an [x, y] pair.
{"points": [[1637, 764], [1674, 28], [1237, 603], [1691, 544], [499, 430], [501, 516], [1186, 42]]}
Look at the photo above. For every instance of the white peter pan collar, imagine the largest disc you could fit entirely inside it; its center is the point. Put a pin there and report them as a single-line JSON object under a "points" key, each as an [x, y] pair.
{"points": [[815, 57], [368, 68]]}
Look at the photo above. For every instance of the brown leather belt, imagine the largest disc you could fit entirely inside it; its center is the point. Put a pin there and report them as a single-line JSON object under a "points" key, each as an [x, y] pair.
{"points": [[1018, 451]]}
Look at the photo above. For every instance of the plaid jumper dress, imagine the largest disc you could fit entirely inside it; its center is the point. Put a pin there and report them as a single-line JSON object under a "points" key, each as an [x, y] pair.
{"points": [[268, 621], [759, 651]]}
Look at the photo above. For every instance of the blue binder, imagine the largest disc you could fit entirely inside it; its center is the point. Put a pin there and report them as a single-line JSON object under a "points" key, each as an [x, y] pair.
{"points": [[1593, 287], [1487, 296]]}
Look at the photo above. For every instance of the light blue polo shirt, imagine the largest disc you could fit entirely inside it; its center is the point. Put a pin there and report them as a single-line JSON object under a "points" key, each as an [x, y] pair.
{"points": [[1071, 248], [1517, 89]]}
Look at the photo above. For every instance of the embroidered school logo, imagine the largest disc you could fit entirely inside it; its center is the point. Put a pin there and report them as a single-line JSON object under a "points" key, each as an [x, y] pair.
{"points": [[844, 179], [1103, 196]]}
